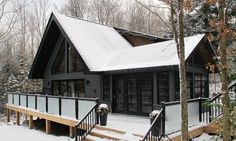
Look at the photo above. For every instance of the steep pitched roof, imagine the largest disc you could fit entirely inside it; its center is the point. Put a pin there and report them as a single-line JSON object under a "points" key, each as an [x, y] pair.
{"points": [[102, 48]]}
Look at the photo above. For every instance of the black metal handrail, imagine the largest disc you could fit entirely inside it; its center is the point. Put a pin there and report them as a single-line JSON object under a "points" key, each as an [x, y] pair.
{"points": [[157, 129], [84, 127]]}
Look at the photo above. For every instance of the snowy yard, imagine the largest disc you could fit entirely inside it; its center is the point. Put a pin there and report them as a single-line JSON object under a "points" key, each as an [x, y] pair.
{"points": [[11, 132]]}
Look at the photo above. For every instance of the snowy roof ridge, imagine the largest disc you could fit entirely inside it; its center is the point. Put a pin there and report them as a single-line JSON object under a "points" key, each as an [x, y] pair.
{"points": [[104, 49]]}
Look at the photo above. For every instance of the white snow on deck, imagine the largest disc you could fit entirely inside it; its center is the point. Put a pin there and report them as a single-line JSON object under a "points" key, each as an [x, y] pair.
{"points": [[131, 124], [104, 49]]}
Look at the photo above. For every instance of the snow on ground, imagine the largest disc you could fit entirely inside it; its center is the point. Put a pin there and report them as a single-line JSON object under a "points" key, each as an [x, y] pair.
{"points": [[11, 132], [132, 124], [206, 137]]}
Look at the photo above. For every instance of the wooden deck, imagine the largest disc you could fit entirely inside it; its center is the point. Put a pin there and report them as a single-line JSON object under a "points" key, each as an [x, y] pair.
{"points": [[48, 118]]}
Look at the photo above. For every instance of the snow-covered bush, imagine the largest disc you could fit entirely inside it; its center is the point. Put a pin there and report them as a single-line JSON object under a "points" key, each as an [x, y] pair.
{"points": [[103, 108], [154, 113]]}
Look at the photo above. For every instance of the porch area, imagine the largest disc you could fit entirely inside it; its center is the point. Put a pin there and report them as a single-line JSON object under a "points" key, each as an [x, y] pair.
{"points": [[81, 117]]}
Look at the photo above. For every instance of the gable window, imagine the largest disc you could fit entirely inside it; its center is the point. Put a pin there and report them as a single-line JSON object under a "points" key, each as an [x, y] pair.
{"points": [[74, 64], [67, 60], [59, 63]]}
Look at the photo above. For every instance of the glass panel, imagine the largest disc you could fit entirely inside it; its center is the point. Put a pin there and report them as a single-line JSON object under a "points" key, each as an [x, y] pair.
{"points": [[132, 95], [163, 86], [119, 95], [16, 100], [41, 104], [106, 88], [64, 91], [68, 108], [146, 95], [55, 86], [84, 107], [23, 100], [59, 63], [74, 64], [31, 102], [53, 106], [9, 98], [172, 122], [71, 88], [80, 88]]}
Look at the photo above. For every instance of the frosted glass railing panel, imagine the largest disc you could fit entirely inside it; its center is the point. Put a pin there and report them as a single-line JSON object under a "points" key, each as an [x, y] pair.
{"points": [[31, 102], [41, 104], [193, 113], [84, 107], [173, 120], [23, 100], [9, 97], [68, 108], [16, 100], [53, 106]]}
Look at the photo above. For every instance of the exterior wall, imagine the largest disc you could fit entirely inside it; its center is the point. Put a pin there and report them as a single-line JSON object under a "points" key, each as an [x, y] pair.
{"points": [[92, 82]]}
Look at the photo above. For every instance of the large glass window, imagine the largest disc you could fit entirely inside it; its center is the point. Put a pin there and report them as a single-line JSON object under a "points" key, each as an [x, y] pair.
{"points": [[163, 86], [69, 88], [59, 63], [66, 63], [189, 86], [74, 64], [106, 88]]}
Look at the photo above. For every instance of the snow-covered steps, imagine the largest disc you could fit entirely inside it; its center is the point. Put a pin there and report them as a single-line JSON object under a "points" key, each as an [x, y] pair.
{"points": [[109, 134]]}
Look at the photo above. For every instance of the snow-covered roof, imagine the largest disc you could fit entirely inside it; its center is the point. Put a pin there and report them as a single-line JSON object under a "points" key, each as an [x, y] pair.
{"points": [[152, 55], [96, 43], [104, 49]]}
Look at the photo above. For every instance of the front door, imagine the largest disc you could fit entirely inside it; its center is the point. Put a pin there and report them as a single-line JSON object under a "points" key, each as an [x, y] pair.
{"points": [[132, 94]]}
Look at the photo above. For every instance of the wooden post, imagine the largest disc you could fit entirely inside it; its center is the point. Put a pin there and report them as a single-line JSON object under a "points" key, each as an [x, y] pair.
{"points": [[72, 132], [17, 118], [8, 115], [48, 126], [30, 121]]}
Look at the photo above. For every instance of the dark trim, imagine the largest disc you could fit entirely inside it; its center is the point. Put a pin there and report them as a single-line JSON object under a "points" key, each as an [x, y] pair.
{"points": [[178, 102]]}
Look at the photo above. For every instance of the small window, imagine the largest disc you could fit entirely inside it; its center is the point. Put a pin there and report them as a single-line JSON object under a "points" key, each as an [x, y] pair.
{"points": [[106, 88]]}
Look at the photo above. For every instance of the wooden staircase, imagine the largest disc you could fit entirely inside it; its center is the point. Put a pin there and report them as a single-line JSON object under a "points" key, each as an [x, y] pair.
{"points": [[100, 132]]}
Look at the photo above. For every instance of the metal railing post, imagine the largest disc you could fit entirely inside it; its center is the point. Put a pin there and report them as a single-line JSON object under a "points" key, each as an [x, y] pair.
{"points": [[200, 109], [59, 102], [36, 102], [97, 114], [19, 98], [46, 103], [76, 108], [26, 101], [163, 117]]}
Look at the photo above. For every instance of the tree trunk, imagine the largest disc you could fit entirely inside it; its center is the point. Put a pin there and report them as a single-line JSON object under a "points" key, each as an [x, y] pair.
{"points": [[182, 72], [224, 74]]}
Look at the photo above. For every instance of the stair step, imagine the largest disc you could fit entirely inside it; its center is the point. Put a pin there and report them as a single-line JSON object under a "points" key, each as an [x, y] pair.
{"points": [[109, 134]]}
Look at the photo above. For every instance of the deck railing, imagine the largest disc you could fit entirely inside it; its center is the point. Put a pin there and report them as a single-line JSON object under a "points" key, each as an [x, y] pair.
{"points": [[71, 107], [157, 129], [210, 108]]}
